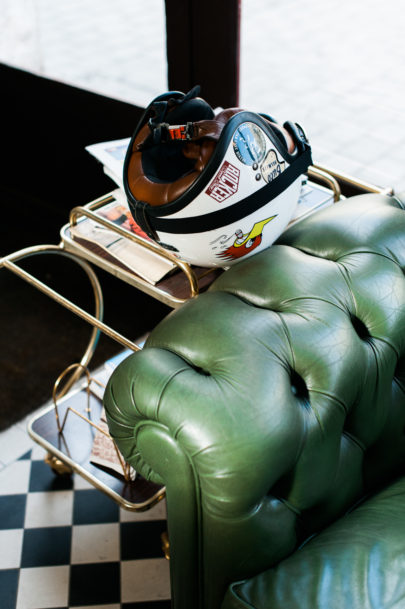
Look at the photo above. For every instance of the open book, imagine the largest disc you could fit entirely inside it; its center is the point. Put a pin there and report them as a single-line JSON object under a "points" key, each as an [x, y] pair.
{"points": [[312, 198], [104, 452], [123, 252], [111, 155]]}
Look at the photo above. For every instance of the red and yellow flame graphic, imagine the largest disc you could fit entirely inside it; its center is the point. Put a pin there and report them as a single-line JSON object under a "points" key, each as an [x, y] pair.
{"points": [[245, 242]]}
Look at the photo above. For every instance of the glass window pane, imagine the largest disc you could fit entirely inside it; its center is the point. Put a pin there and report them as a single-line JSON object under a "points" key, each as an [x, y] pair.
{"points": [[114, 48], [335, 66]]}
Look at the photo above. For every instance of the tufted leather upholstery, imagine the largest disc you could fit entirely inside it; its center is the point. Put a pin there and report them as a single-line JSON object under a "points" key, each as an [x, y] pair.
{"points": [[356, 563], [271, 404]]}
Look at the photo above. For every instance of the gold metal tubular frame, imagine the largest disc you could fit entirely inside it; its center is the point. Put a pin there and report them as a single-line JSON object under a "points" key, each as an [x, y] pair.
{"points": [[350, 180], [95, 320], [324, 176], [55, 396], [141, 507], [8, 262], [150, 245]]}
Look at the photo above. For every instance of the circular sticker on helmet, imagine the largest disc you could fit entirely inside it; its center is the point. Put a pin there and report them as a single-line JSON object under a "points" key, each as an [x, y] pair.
{"points": [[249, 143], [272, 166]]}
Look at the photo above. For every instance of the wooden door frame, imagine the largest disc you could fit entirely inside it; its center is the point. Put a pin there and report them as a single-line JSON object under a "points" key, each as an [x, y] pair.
{"points": [[203, 47]]}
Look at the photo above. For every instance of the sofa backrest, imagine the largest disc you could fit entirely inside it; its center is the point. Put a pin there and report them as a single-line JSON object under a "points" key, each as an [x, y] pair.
{"points": [[283, 387]]}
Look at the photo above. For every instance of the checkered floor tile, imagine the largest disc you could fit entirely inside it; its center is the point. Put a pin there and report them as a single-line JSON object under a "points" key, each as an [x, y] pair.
{"points": [[65, 545]]}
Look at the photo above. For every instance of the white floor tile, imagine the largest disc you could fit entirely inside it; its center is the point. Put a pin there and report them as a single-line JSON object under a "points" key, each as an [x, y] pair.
{"points": [[49, 509], [95, 543], [38, 452], [10, 543], [43, 588], [143, 580], [14, 478], [14, 442]]}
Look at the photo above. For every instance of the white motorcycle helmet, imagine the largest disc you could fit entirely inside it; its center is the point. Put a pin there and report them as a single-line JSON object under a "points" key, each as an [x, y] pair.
{"points": [[213, 188]]}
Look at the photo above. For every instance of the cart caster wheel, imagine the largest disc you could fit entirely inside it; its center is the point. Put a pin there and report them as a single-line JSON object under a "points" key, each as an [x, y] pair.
{"points": [[57, 466], [165, 545]]}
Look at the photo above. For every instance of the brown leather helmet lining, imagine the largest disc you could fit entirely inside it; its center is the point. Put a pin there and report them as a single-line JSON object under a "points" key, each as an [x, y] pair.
{"points": [[200, 149]]}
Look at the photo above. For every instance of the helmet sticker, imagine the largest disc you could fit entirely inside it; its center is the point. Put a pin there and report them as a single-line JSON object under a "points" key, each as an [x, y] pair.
{"points": [[244, 243], [225, 183], [272, 166], [249, 143]]}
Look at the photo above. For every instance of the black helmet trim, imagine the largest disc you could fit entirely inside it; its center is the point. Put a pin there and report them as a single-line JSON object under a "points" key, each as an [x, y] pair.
{"points": [[233, 213], [184, 159], [159, 218]]}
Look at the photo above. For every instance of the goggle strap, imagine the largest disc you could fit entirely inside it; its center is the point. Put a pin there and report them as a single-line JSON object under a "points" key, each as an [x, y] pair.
{"points": [[211, 129]]}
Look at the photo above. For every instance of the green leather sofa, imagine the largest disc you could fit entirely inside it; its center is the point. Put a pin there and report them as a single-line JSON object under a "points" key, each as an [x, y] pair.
{"points": [[273, 409]]}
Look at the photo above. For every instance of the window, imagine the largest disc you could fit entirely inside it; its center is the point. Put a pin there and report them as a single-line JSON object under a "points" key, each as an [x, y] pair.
{"points": [[336, 67], [114, 48]]}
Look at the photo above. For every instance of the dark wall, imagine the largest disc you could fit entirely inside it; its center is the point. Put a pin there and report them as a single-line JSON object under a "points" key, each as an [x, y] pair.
{"points": [[45, 171], [45, 168]]}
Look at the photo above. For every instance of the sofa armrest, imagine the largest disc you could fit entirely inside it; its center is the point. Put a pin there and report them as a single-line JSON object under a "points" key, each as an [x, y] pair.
{"points": [[265, 404]]}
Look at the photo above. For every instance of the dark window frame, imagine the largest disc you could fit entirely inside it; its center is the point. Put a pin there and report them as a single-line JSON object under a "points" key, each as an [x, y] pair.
{"points": [[203, 47]]}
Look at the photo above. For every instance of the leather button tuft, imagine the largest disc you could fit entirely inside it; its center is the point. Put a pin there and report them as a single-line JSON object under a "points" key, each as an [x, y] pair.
{"points": [[299, 387], [360, 328]]}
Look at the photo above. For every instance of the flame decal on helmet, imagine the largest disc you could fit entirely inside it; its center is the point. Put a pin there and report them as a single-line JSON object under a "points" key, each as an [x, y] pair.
{"points": [[245, 242]]}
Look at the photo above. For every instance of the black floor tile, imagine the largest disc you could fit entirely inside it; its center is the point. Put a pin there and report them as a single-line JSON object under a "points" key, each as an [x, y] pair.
{"points": [[94, 584], [8, 588], [44, 479], [142, 539], [25, 456], [46, 547], [12, 511], [92, 507]]}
